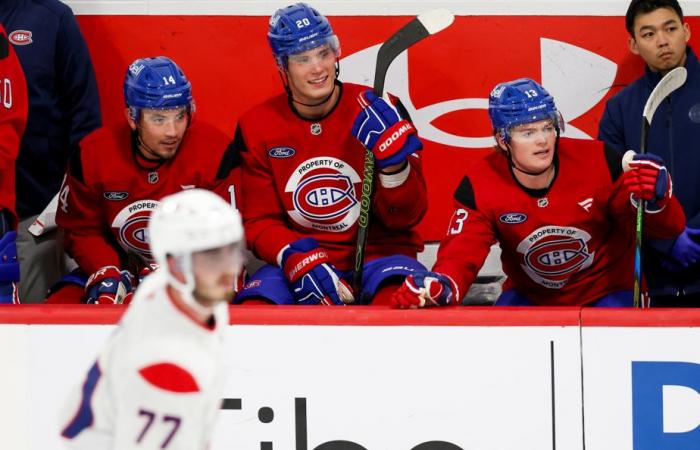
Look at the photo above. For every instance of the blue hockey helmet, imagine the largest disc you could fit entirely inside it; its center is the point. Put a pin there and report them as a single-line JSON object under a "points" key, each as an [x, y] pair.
{"points": [[156, 83], [519, 102], [298, 28]]}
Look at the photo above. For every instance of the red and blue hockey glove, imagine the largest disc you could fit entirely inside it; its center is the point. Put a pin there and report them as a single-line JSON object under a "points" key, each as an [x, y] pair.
{"points": [[380, 128], [686, 250], [424, 288], [312, 276], [9, 268], [646, 177], [109, 286]]}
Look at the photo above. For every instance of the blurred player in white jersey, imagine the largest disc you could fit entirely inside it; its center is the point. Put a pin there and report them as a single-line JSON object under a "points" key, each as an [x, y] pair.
{"points": [[158, 382]]}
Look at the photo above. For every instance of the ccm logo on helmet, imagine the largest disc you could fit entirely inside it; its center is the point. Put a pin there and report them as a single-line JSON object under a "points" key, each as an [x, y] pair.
{"points": [[21, 37], [394, 136]]}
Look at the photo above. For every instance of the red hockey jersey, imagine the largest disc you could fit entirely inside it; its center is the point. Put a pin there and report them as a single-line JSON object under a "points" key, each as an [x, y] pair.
{"points": [[13, 118], [569, 245], [107, 199], [302, 178]]}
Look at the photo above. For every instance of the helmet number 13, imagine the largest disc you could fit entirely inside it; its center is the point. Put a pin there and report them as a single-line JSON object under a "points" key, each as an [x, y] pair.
{"points": [[530, 93]]}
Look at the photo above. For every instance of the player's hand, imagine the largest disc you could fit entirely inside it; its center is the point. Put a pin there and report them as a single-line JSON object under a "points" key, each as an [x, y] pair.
{"points": [[109, 286], [380, 128], [424, 288], [686, 250], [311, 275], [9, 268], [646, 177]]}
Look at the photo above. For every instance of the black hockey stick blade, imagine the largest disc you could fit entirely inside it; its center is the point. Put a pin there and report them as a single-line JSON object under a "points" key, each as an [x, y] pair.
{"points": [[424, 25], [421, 27]]}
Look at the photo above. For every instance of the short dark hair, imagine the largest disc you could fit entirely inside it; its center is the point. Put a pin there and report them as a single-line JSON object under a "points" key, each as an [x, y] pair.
{"points": [[638, 7]]}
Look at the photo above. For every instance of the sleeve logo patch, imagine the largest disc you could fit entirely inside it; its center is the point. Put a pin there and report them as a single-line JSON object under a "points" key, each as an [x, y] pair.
{"points": [[21, 37]]}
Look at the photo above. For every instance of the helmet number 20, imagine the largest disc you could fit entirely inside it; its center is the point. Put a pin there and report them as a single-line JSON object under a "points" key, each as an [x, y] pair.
{"points": [[301, 23], [168, 80]]}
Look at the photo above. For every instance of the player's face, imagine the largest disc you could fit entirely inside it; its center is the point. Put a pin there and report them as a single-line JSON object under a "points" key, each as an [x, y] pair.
{"points": [[311, 74], [161, 131], [215, 273], [532, 145], [660, 39]]}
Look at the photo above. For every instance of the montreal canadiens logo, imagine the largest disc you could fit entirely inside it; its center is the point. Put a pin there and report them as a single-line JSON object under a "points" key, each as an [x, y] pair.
{"points": [[20, 37], [130, 226], [281, 152], [551, 255], [513, 218], [323, 194]]}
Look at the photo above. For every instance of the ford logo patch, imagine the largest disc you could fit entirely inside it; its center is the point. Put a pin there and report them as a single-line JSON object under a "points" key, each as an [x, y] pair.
{"points": [[513, 218], [281, 152], [115, 195]]}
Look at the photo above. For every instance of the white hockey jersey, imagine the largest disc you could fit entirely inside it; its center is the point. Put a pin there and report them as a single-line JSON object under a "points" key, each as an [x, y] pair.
{"points": [[158, 382]]}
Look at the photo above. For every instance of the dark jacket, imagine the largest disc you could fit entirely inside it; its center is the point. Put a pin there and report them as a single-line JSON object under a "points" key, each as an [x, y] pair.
{"points": [[63, 98], [675, 136]]}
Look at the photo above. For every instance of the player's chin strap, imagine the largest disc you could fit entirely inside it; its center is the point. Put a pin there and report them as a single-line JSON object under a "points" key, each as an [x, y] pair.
{"points": [[291, 98], [186, 289]]}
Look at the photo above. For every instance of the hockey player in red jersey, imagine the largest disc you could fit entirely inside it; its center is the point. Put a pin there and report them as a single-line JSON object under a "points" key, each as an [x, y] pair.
{"points": [[159, 380], [117, 176], [13, 118], [562, 210], [303, 158]]}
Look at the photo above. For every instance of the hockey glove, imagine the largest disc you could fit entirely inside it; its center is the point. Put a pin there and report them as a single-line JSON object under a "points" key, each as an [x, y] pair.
{"points": [[109, 286], [646, 177], [423, 288], [9, 268], [686, 250], [380, 128], [312, 276]]}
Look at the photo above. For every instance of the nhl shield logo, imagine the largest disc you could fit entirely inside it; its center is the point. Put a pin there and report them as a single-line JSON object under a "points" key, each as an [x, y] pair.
{"points": [[152, 177], [316, 129]]}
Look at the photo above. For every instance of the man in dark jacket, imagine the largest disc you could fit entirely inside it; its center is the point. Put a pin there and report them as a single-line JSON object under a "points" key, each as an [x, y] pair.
{"points": [[660, 36], [63, 107]]}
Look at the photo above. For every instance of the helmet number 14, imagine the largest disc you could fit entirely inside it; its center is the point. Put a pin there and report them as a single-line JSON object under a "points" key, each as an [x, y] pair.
{"points": [[168, 80]]}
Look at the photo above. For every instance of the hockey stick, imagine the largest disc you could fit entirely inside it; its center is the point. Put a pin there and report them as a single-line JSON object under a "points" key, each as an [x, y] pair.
{"points": [[669, 83], [419, 28]]}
